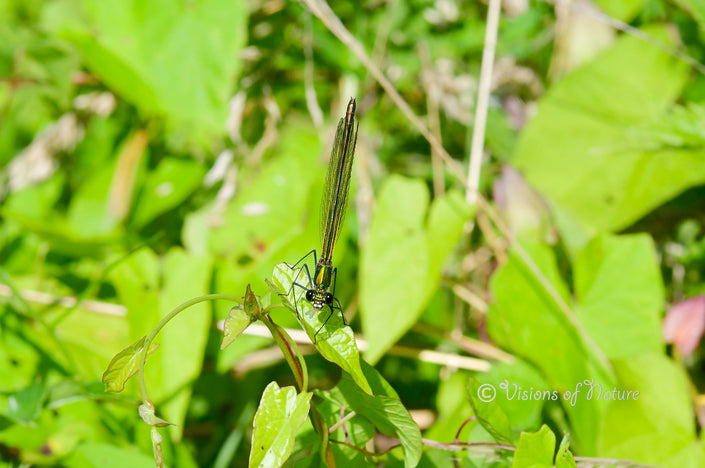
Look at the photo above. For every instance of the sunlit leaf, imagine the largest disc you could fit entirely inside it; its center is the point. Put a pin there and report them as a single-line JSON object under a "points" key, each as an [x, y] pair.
{"points": [[93, 339], [565, 459], [165, 39], [26, 404], [623, 10], [394, 265], [488, 412], [124, 365], [280, 415], [238, 320], [99, 455], [535, 449], [620, 294], [526, 319], [388, 415], [148, 415], [579, 150], [333, 339], [89, 214], [653, 424], [509, 380], [169, 184], [251, 303], [401, 264]]}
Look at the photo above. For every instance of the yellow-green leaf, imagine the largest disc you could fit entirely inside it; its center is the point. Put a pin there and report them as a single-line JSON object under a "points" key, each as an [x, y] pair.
{"points": [[124, 365], [238, 320]]}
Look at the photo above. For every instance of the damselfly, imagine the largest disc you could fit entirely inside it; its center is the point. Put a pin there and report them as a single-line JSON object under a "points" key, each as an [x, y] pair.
{"points": [[320, 288]]}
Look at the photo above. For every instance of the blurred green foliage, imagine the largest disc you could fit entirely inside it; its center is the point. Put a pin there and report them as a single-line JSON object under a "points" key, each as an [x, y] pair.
{"points": [[156, 151]]}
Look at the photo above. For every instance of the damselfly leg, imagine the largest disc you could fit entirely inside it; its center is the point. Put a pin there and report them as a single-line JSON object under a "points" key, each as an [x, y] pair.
{"points": [[319, 296], [294, 282], [333, 306]]}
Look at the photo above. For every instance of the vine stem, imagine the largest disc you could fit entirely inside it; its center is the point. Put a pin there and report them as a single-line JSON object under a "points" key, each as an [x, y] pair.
{"points": [[165, 320], [342, 421], [291, 352]]}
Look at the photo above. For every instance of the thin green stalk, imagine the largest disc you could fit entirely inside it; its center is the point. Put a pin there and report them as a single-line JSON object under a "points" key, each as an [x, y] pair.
{"points": [[165, 320]]}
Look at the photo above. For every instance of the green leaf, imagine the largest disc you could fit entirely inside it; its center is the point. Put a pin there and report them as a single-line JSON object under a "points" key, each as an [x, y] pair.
{"points": [[36, 201], [165, 39], [620, 294], [581, 135], [334, 340], [401, 263], [137, 281], [394, 265], [89, 214], [623, 10], [20, 356], [72, 391], [453, 409], [535, 449], [280, 415], [511, 380], [488, 412], [378, 384], [439, 458], [124, 365], [63, 238], [655, 427], [251, 303], [96, 455], [236, 323], [525, 319], [25, 405], [565, 459], [260, 213], [446, 219], [148, 415], [262, 226], [93, 339], [168, 185], [388, 415]]}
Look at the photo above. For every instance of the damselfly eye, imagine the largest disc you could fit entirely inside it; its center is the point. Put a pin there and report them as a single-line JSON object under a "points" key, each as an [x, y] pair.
{"points": [[309, 295], [328, 299]]}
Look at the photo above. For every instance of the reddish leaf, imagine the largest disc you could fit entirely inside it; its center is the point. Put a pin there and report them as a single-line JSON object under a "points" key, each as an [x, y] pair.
{"points": [[684, 324]]}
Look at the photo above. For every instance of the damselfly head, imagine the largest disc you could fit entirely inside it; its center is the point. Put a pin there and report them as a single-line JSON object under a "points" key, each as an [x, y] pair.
{"points": [[319, 298]]}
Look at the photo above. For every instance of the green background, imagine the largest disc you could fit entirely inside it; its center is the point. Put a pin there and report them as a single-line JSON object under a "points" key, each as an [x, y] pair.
{"points": [[154, 151]]}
